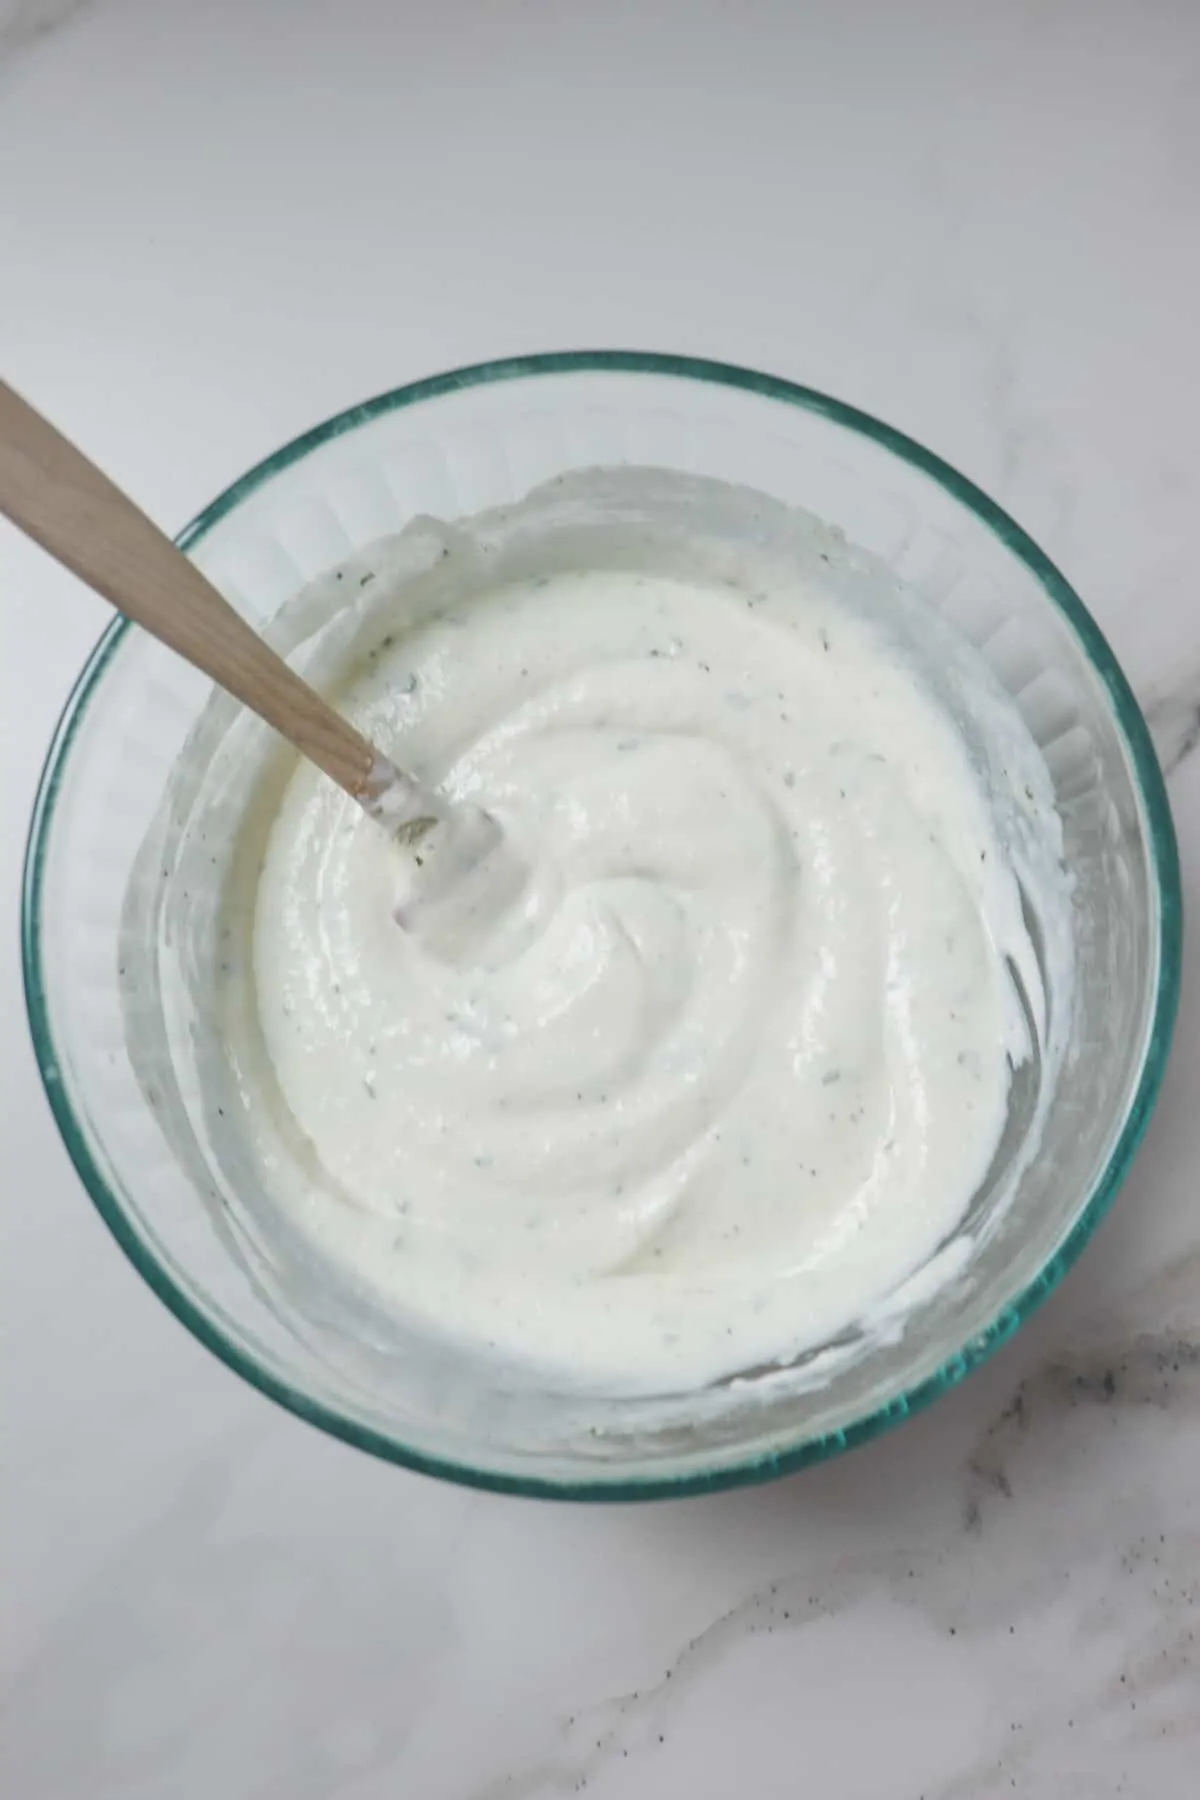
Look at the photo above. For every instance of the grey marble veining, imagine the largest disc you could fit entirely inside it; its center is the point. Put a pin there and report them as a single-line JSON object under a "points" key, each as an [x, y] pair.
{"points": [[26, 22], [1020, 1539], [1173, 715]]}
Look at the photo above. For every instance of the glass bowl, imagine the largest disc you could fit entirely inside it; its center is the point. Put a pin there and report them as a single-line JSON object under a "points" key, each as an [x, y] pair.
{"points": [[455, 445]]}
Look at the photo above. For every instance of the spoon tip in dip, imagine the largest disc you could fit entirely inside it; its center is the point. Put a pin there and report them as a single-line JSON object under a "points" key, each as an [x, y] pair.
{"points": [[464, 876]]}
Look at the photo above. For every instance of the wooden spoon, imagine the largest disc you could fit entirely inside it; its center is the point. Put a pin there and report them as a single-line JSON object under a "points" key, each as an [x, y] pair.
{"points": [[57, 497]]}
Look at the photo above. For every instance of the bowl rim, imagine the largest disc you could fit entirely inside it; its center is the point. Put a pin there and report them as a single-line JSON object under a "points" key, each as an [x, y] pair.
{"points": [[1164, 860]]}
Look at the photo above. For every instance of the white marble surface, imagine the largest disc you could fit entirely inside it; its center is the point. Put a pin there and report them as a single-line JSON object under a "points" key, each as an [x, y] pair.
{"points": [[220, 222]]}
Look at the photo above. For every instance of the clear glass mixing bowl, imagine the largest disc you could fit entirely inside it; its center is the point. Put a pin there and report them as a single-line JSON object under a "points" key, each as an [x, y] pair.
{"points": [[455, 445]]}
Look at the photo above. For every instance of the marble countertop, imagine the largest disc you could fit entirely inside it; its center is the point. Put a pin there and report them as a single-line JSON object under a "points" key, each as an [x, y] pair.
{"points": [[220, 223]]}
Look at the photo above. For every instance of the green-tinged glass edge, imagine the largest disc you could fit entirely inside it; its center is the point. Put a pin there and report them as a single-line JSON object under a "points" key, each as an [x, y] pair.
{"points": [[1163, 851]]}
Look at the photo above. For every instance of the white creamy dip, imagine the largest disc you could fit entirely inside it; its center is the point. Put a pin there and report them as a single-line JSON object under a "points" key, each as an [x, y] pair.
{"points": [[740, 1064]]}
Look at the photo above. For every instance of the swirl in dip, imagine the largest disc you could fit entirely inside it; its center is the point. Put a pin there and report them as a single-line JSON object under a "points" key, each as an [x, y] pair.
{"points": [[741, 1057]]}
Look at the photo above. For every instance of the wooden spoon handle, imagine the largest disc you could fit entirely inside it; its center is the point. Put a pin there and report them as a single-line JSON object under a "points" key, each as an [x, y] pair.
{"points": [[62, 501]]}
